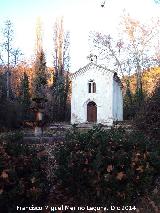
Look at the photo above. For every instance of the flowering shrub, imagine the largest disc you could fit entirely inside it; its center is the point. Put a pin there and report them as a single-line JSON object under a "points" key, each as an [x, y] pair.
{"points": [[106, 166]]}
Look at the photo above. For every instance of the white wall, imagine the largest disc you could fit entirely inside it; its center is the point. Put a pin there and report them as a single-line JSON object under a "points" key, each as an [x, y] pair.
{"points": [[103, 96], [117, 102]]}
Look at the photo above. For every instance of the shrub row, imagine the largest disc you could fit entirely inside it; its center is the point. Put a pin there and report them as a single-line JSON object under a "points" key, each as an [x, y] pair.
{"points": [[105, 167]]}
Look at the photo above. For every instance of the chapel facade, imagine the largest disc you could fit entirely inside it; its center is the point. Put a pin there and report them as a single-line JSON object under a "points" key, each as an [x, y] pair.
{"points": [[96, 95]]}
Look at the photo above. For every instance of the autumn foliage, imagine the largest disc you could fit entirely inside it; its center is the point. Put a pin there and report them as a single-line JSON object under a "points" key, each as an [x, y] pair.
{"points": [[149, 78]]}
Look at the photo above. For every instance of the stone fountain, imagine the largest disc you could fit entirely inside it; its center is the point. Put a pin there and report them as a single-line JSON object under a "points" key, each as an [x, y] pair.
{"points": [[38, 108]]}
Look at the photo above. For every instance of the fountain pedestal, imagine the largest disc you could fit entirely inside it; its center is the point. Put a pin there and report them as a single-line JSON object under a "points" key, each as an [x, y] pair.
{"points": [[38, 108]]}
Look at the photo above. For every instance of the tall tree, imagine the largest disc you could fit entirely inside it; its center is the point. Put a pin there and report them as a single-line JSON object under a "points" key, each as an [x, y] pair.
{"points": [[2, 87], [61, 68], [40, 69], [40, 79], [140, 38], [131, 51], [8, 34], [25, 95], [10, 55], [108, 50]]}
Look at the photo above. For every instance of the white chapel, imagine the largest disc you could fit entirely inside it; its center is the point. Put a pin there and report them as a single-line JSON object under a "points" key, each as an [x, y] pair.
{"points": [[96, 95]]}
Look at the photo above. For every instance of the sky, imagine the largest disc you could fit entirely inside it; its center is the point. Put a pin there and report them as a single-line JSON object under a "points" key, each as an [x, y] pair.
{"points": [[80, 17]]}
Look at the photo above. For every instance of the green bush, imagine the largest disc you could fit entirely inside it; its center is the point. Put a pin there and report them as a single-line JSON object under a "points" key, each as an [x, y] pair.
{"points": [[11, 136], [105, 167], [148, 117], [132, 101], [10, 115], [23, 179]]}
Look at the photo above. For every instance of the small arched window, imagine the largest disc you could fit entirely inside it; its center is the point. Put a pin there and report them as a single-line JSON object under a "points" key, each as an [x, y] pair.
{"points": [[91, 86]]}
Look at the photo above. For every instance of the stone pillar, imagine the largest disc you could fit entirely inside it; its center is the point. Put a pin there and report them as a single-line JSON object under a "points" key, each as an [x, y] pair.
{"points": [[38, 131]]}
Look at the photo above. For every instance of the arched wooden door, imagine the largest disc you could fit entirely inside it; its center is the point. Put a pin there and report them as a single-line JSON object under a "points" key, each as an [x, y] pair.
{"points": [[91, 112]]}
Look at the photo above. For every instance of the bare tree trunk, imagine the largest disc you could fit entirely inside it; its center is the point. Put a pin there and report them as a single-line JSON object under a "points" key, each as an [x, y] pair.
{"points": [[8, 63]]}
